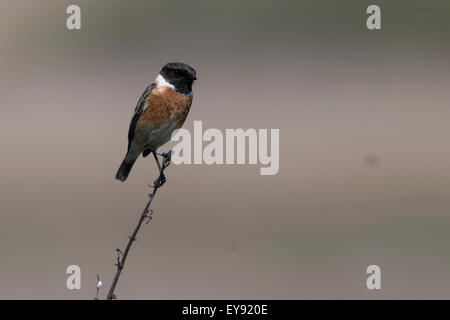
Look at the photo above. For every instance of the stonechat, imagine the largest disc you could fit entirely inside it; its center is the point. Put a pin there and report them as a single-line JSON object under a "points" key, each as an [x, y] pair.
{"points": [[161, 109]]}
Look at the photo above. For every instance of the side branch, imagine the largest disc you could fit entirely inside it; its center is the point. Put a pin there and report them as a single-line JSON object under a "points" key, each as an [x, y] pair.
{"points": [[146, 214]]}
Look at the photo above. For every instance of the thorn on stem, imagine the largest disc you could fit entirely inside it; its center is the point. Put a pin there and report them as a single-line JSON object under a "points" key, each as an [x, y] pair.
{"points": [[148, 215], [119, 255]]}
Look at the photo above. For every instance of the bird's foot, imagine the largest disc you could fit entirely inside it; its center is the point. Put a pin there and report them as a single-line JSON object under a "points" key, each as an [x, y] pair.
{"points": [[167, 156]]}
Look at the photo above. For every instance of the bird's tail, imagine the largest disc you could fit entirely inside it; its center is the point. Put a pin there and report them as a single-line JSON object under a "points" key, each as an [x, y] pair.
{"points": [[125, 167]]}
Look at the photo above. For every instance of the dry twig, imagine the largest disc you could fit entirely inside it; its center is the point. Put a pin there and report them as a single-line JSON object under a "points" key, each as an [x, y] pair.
{"points": [[146, 214]]}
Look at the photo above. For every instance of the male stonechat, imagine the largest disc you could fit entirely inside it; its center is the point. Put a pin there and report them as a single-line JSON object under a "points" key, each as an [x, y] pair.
{"points": [[161, 109]]}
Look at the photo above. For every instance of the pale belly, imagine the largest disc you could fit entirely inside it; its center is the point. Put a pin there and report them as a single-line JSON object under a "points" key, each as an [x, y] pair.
{"points": [[156, 135]]}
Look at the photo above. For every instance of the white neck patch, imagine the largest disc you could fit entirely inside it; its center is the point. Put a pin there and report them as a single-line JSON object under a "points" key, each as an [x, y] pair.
{"points": [[160, 81]]}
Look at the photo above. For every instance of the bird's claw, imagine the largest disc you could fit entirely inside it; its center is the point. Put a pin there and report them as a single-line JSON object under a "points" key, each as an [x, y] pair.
{"points": [[167, 156]]}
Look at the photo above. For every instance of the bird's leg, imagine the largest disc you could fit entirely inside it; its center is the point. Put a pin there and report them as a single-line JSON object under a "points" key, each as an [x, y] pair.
{"points": [[166, 161], [161, 179], [157, 161]]}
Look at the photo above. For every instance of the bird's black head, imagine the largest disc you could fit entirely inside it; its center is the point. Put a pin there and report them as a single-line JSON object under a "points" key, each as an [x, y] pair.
{"points": [[180, 75]]}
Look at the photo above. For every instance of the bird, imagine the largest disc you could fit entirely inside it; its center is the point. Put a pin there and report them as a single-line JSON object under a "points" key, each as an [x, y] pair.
{"points": [[161, 109]]}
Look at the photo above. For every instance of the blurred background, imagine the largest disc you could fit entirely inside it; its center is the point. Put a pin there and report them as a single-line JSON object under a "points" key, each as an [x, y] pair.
{"points": [[364, 159]]}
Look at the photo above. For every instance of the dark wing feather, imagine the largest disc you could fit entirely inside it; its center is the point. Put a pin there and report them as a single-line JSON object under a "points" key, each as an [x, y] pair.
{"points": [[138, 112]]}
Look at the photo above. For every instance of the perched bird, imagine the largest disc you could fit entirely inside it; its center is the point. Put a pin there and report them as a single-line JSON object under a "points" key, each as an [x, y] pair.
{"points": [[161, 109]]}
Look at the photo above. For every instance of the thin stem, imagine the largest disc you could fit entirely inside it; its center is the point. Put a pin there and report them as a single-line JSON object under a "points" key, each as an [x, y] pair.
{"points": [[146, 214]]}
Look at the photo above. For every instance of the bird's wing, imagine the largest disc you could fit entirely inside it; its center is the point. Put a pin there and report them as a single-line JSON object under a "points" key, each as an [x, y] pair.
{"points": [[138, 111]]}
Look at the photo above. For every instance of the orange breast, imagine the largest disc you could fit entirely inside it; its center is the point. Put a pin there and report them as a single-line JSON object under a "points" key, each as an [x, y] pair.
{"points": [[165, 105]]}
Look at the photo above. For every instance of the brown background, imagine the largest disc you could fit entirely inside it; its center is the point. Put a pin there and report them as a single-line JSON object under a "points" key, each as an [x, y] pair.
{"points": [[364, 159]]}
